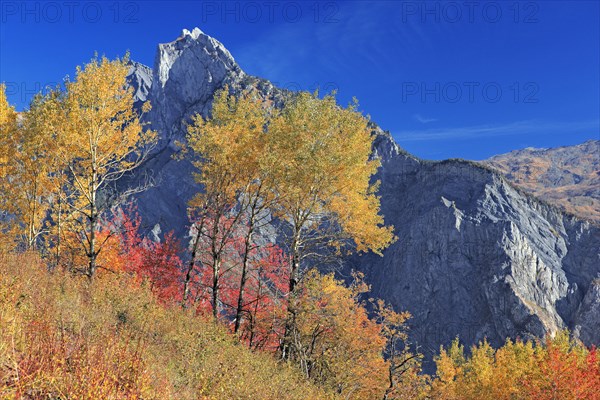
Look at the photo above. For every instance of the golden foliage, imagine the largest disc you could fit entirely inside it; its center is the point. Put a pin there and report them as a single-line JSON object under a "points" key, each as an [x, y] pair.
{"points": [[230, 147], [30, 180], [320, 153], [313, 156], [337, 345], [8, 126], [559, 368], [99, 139]]}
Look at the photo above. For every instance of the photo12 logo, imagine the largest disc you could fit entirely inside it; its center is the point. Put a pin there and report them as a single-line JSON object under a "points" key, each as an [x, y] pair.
{"points": [[269, 11], [469, 92], [470, 11], [23, 92], [52, 12]]}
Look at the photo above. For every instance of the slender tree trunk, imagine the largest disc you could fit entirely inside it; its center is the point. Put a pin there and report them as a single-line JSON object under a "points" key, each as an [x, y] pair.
{"points": [[188, 274], [92, 244], [217, 246], [93, 217], [58, 229], [391, 380], [290, 323], [31, 234], [244, 277], [253, 316], [215, 286]]}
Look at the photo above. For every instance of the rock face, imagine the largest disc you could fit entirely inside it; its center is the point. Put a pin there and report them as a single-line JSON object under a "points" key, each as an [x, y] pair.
{"points": [[567, 176], [476, 257]]}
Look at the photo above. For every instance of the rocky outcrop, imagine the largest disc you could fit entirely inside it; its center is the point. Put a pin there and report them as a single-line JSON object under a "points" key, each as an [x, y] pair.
{"points": [[140, 79], [588, 316], [476, 257]]}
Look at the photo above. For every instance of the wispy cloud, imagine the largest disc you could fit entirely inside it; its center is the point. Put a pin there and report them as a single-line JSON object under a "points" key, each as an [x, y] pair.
{"points": [[354, 32], [482, 131], [423, 120]]}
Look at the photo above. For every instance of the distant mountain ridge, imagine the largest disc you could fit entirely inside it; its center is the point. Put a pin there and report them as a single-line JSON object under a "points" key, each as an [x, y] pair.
{"points": [[476, 257], [567, 176]]}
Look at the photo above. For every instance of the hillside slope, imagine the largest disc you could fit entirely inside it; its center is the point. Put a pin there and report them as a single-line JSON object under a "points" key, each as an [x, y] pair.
{"points": [[568, 176], [63, 338]]}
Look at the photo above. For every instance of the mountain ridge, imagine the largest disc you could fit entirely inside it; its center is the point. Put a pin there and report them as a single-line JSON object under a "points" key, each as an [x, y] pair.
{"points": [[567, 176]]}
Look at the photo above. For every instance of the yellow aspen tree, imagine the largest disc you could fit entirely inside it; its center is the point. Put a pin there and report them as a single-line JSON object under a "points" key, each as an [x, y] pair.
{"points": [[100, 139], [50, 124], [28, 177], [320, 154], [8, 128], [32, 180]]}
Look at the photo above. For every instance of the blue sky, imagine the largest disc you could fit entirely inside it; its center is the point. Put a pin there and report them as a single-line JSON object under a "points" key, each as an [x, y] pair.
{"points": [[464, 79]]}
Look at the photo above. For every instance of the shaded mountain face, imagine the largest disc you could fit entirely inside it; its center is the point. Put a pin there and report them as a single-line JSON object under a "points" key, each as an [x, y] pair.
{"points": [[476, 257], [568, 177]]}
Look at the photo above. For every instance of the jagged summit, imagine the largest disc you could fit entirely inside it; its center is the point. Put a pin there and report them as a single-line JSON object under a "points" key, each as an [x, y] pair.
{"points": [[186, 73], [195, 33], [192, 47]]}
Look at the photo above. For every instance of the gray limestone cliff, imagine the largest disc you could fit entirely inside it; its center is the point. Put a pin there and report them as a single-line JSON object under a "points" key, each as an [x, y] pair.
{"points": [[478, 258]]}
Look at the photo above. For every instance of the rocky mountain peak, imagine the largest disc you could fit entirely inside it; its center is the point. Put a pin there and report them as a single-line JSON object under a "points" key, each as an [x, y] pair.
{"points": [[191, 48], [187, 72]]}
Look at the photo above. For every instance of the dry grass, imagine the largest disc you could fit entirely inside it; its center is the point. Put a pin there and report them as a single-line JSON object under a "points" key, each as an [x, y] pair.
{"points": [[62, 337]]}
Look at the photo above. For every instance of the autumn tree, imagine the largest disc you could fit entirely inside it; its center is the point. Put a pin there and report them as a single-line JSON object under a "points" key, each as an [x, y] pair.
{"points": [[263, 301], [565, 370], [557, 368], [337, 345], [405, 378], [156, 263], [319, 154], [8, 130], [207, 283], [32, 174], [100, 139], [228, 149], [8, 127]]}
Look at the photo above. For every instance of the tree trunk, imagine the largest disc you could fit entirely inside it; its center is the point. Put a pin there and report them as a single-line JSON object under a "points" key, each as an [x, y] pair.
{"points": [[290, 323], [188, 273], [92, 253], [93, 217], [58, 228], [215, 287], [244, 277]]}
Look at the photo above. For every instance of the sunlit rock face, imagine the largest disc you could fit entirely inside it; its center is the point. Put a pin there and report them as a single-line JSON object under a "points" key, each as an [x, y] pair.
{"points": [[475, 256], [478, 258]]}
